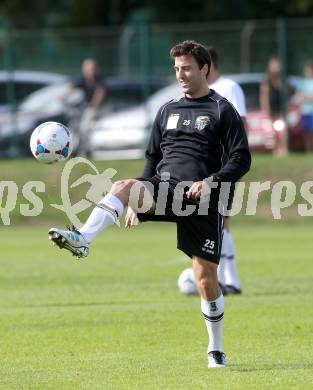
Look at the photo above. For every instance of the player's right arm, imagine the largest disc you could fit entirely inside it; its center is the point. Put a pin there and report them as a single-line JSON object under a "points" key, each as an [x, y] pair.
{"points": [[153, 153], [153, 156], [130, 218]]}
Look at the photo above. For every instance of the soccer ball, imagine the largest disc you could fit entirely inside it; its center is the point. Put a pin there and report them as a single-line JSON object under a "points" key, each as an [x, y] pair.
{"points": [[186, 282], [51, 142]]}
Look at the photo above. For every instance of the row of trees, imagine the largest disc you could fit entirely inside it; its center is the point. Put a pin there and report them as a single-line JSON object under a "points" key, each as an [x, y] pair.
{"points": [[80, 13]]}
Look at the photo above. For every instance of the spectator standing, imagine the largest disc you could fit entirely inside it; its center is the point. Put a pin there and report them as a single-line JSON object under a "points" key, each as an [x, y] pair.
{"points": [[271, 92], [94, 90], [305, 98]]}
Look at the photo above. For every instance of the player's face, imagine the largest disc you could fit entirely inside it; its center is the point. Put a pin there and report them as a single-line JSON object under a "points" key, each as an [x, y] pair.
{"points": [[190, 77]]}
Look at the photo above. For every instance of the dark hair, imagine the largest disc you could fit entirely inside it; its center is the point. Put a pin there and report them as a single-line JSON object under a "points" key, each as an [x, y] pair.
{"points": [[214, 56], [199, 52]]}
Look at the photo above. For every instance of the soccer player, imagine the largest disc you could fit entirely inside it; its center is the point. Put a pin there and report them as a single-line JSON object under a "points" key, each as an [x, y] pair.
{"points": [[182, 164], [227, 269]]}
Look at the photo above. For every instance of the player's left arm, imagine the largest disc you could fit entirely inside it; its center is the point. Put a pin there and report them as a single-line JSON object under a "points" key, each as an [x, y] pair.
{"points": [[234, 139], [234, 128]]}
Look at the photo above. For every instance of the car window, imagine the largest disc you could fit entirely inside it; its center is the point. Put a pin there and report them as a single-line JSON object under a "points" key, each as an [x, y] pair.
{"points": [[3, 97], [251, 90], [24, 89], [21, 90], [123, 96], [120, 98], [43, 97]]}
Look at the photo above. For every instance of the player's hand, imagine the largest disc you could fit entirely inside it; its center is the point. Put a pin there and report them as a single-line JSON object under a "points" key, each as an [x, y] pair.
{"points": [[130, 218], [197, 189]]}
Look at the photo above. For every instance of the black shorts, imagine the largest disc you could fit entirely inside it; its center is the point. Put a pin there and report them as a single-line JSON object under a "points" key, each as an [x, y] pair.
{"points": [[197, 235]]}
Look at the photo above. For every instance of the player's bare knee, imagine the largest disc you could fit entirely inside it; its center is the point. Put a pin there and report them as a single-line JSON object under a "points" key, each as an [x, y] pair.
{"points": [[133, 193], [122, 188]]}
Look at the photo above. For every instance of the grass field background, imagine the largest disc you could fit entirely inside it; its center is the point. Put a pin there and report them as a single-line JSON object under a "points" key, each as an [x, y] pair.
{"points": [[117, 321], [295, 168]]}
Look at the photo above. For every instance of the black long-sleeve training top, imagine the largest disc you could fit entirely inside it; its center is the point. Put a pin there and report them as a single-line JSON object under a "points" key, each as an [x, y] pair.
{"points": [[192, 138]]}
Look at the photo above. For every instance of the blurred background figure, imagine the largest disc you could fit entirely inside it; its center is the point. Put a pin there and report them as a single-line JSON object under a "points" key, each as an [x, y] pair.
{"points": [[305, 99], [271, 93], [227, 270], [92, 84]]}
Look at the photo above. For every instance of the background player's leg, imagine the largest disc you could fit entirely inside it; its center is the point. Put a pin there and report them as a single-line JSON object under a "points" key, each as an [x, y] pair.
{"points": [[212, 305], [231, 279], [221, 266], [227, 269]]}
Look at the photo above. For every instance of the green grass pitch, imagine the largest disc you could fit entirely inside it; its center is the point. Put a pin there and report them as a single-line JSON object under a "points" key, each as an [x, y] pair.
{"points": [[117, 321]]}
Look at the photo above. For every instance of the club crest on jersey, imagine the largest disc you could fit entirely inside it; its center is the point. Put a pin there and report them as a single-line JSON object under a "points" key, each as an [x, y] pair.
{"points": [[201, 122], [172, 121]]}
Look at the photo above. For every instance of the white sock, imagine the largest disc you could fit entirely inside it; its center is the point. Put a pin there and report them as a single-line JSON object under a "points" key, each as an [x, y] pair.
{"points": [[213, 312], [230, 267], [221, 266], [108, 210]]}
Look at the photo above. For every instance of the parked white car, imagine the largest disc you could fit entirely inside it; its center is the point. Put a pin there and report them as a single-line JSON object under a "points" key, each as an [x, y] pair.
{"points": [[24, 83], [55, 103], [125, 134]]}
